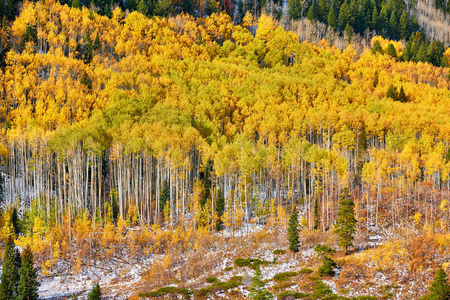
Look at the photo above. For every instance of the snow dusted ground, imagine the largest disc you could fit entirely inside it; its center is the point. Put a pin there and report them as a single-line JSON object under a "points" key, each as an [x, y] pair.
{"points": [[116, 284]]}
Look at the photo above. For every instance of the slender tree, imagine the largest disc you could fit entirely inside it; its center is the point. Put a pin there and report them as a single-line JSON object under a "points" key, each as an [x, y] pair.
{"points": [[346, 221], [28, 284], [293, 231]]}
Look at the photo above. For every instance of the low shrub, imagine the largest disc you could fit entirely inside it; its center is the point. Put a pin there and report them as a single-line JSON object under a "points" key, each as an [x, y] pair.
{"points": [[305, 271], [291, 294], [278, 252], [168, 290], [252, 263], [326, 269], [284, 276], [211, 279]]}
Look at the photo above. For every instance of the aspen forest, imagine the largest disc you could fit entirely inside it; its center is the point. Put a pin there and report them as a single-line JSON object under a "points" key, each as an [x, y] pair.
{"points": [[204, 150]]}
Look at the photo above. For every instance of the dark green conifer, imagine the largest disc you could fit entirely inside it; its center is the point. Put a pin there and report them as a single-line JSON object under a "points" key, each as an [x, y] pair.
{"points": [[293, 232], [257, 289], [375, 79], [95, 293], [346, 221], [404, 26], [311, 12], [390, 50], [10, 274], [439, 289], [15, 221], [332, 18], [401, 95], [316, 215], [164, 196], [220, 208], [28, 284], [392, 92], [76, 4]]}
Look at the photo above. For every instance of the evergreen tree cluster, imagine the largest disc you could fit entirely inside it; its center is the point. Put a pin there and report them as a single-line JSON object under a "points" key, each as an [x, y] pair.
{"points": [[388, 19], [417, 49], [19, 277]]}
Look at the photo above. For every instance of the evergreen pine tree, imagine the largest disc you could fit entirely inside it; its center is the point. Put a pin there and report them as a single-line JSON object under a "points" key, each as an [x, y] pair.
{"points": [[439, 289], [95, 293], [422, 53], [377, 47], [257, 289], [390, 50], [393, 24], [311, 12], [220, 208], [28, 284], [188, 7], [295, 9], [293, 231], [375, 79], [374, 21], [322, 10], [401, 95], [97, 44], [392, 92], [164, 196], [332, 18], [142, 7], [114, 205], [344, 15], [76, 4], [10, 275], [348, 32], [316, 215], [404, 26], [345, 223], [15, 221]]}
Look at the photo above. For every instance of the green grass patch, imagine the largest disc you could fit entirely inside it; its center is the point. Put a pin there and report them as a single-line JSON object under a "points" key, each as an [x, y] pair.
{"points": [[252, 263], [283, 276], [367, 298], [291, 294], [228, 269], [168, 290], [278, 252]]}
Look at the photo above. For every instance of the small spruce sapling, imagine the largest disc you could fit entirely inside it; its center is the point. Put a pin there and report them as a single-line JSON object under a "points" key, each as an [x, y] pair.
{"points": [[95, 293]]}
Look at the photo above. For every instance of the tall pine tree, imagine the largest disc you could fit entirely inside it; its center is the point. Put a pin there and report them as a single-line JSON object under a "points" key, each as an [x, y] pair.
{"points": [[293, 231], [346, 221], [10, 275], [28, 284]]}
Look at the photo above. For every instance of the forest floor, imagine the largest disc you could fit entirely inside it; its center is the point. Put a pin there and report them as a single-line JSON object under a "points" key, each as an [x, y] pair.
{"points": [[391, 270]]}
